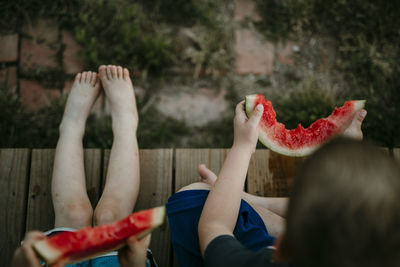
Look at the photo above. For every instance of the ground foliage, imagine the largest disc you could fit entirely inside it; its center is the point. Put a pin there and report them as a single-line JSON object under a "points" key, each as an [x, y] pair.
{"points": [[365, 36]]}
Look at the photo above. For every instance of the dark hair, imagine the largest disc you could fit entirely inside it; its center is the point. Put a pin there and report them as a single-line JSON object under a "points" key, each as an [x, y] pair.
{"points": [[345, 208]]}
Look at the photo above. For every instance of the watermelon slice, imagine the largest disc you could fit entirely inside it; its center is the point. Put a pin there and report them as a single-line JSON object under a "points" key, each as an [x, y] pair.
{"points": [[300, 142], [70, 247]]}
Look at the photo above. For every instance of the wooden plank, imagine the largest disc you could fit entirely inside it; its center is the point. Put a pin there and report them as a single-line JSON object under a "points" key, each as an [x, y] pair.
{"points": [[396, 154], [40, 214], [93, 174], [187, 161], [13, 184], [155, 188], [271, 174], [106, 159], [384, 149]]}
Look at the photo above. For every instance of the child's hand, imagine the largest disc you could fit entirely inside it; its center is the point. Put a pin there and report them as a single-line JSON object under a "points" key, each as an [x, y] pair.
{"points": [[25, 255], [246, 130], [134, 254]]}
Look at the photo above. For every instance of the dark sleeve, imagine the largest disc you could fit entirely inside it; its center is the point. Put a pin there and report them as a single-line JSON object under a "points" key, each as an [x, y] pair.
{"points": [[225, 250]]}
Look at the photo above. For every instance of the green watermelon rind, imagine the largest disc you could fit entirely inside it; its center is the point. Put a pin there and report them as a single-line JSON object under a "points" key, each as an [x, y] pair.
{"points": [[274, 146], [51, 255]]}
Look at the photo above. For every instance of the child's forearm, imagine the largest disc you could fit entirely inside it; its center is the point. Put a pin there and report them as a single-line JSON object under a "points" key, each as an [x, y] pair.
{"points": [[221, 209]]}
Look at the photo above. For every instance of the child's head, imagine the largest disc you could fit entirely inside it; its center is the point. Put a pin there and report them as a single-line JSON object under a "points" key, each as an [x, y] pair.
{"points": [[345, 208]]}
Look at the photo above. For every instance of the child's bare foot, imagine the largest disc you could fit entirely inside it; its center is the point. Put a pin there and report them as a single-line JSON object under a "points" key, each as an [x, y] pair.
{"points": [[84, 92], [354, 130], [120, 95], [206, 175]]}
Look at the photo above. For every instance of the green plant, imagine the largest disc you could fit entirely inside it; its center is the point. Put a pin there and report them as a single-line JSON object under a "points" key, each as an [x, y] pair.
{"points": [[98, 133], [304, 106], [280, 17], [216, 134], [120, 32], [14, 121], [157, 131], [20, 128], [182, 12]]}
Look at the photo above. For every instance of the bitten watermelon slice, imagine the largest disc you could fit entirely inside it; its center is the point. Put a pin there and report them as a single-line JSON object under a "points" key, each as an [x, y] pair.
{"points": [[69, 247], [300, 142]]}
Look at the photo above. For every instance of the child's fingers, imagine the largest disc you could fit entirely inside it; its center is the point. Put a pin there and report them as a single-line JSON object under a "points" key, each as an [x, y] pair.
{"points": [[146, 240], [34, 236], [134, 244], [131, 242], [60, 263], [239, 111], [256, 116]]}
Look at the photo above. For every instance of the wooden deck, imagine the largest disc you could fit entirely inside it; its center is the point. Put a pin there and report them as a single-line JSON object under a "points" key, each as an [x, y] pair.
{"points": [[25, 177]]}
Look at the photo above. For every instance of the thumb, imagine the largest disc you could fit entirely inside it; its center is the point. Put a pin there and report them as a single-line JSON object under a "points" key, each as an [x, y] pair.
{"points": [[256, 115]]}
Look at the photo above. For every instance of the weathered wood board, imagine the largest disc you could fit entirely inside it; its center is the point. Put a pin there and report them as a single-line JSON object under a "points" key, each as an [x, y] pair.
{"points": [[396, 154], [13, 184], [93, 173], [188, 160], [40, 213], [271, 174]]}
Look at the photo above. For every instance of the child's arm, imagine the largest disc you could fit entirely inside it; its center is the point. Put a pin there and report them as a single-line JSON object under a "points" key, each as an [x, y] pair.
{"points": [[25, 255], [221, 209]]}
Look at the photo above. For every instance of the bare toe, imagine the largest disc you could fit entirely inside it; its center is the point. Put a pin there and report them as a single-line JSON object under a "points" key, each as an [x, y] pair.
{"points": [[83, 77], [108, 70], [206, 175], [114, 72], [126, 74], [119, 72], [88, 77], [102, 71], [78, 77], [94, 79]]}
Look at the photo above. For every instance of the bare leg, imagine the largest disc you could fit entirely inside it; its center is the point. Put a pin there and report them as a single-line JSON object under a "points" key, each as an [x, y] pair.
{"points": [[276, 205], [122, 181], [71, 204], [271, 210], [274, 222]]}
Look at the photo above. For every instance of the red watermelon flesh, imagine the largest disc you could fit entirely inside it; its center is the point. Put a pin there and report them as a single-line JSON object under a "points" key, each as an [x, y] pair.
{"points": [[300, 141], [88, 242]]}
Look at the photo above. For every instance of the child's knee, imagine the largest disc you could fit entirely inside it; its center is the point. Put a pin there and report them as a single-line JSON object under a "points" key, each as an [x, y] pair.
{"points": [[105, 215], [76, 215]]}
